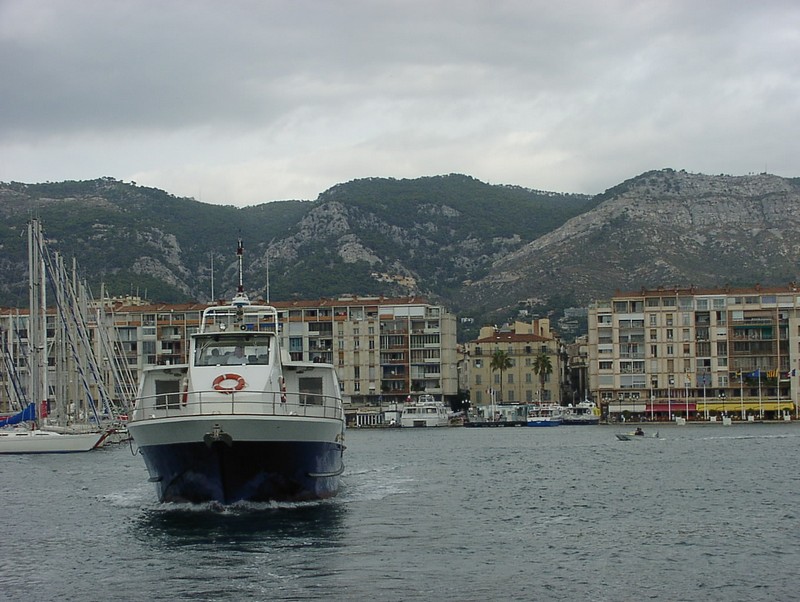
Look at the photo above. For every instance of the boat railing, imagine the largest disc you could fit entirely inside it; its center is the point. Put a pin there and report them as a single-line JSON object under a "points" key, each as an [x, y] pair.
{"points": [[212, 402]]}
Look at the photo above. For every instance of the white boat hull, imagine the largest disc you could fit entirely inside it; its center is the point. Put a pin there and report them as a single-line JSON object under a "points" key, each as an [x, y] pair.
{"points": [[48, 442]]}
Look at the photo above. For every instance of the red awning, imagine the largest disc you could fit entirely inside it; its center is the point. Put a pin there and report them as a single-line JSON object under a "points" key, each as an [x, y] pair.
{"points": [[676, 406]]}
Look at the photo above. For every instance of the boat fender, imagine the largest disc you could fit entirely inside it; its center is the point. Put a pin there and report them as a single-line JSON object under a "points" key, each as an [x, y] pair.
{"points": [[283, 390], [185, 396], [217, 384]]}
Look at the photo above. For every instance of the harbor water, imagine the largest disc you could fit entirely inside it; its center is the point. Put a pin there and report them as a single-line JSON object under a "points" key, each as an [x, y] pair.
{"points": [[568, 513]]}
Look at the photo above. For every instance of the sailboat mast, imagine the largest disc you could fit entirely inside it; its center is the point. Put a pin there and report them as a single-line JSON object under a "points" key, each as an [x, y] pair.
{"points": [[267, 276], [37, 331]]}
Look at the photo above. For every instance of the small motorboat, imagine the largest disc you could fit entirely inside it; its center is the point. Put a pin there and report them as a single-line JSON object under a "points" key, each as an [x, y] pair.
{"points": [[637, 434]]}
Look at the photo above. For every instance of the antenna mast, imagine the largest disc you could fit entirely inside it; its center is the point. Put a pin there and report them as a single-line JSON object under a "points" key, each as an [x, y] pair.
{"points": [[240, 254]]}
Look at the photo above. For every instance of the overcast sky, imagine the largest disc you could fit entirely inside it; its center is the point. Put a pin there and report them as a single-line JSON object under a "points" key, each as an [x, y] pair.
{"points": [[244, 102]]}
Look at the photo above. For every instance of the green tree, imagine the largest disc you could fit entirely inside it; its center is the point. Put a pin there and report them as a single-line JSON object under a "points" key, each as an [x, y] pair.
{"points": [[542, 366], [501, 361]]}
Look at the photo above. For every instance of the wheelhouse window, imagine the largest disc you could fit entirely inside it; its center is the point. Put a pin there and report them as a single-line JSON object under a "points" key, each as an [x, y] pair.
{"points": [[221, 350]]}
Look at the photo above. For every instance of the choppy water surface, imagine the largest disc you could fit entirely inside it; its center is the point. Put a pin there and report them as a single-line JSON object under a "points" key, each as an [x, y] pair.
{"points": [[705, 513]]}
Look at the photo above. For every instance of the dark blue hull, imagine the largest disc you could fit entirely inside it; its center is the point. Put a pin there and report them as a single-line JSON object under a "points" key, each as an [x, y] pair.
{"points": [[253, 471]]}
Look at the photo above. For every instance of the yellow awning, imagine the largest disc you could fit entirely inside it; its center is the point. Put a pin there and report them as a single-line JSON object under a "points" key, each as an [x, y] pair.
{"points": [[733, 405]]}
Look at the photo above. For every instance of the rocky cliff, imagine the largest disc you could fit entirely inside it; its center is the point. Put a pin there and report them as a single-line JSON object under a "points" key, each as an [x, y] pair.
{"points": [[661, 228]]}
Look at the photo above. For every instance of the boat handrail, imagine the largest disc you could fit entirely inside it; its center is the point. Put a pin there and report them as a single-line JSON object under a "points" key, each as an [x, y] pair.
{"points": [[238, 403]]}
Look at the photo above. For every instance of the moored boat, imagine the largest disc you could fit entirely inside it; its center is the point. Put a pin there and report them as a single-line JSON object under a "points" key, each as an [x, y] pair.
{"points": [[583, 413], [45, 425], [545, 415], [425, 411], [241, 421], [23, 440]]}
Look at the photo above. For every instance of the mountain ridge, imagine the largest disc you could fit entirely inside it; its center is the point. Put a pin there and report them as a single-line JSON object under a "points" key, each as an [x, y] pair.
{"points": [[482, 250]]}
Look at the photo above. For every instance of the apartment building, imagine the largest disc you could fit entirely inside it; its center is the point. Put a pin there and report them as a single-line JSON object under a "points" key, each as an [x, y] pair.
{"points": [[384, 349], [523, 342], [696, 353]]}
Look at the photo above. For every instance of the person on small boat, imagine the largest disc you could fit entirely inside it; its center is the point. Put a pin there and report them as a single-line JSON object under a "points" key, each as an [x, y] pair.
{"points": [[639, 432]]}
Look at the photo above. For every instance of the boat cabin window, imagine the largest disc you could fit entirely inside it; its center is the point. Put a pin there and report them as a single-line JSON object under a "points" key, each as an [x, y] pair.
{"points": [[225, 351], [168, 394], [310, 390]]}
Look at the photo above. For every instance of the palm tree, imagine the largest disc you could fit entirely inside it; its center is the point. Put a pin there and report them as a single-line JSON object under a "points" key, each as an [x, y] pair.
{"points": [[543, 367], [501, 361]]}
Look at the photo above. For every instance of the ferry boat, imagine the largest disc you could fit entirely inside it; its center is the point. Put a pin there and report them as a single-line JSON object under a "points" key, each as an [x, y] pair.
{"points": [[425, 411], [583, 412], [241, 421], [545, 415]]}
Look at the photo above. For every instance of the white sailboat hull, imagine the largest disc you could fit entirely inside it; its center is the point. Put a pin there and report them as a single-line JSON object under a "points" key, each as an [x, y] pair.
{"points": [[47, 442]]}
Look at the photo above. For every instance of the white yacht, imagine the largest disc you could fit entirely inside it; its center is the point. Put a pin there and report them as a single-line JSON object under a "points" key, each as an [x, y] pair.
{"points": [[545, 415], [583, 412], [425, 411]]}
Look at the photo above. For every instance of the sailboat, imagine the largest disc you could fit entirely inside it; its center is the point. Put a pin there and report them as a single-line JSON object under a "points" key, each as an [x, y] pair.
{"points": [[40, 427]]}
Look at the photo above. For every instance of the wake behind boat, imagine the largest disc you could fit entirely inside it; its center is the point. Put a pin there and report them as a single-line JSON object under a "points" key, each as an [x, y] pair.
{"points": [[240, 421]]}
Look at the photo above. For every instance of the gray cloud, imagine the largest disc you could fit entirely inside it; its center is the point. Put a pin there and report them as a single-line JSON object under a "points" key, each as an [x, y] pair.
{"points": [[252, 101]]}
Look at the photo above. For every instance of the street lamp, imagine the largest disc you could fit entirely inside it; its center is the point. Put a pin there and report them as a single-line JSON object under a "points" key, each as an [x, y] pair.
{"points": [[705, 405], [686, 398], [669, 397]]}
